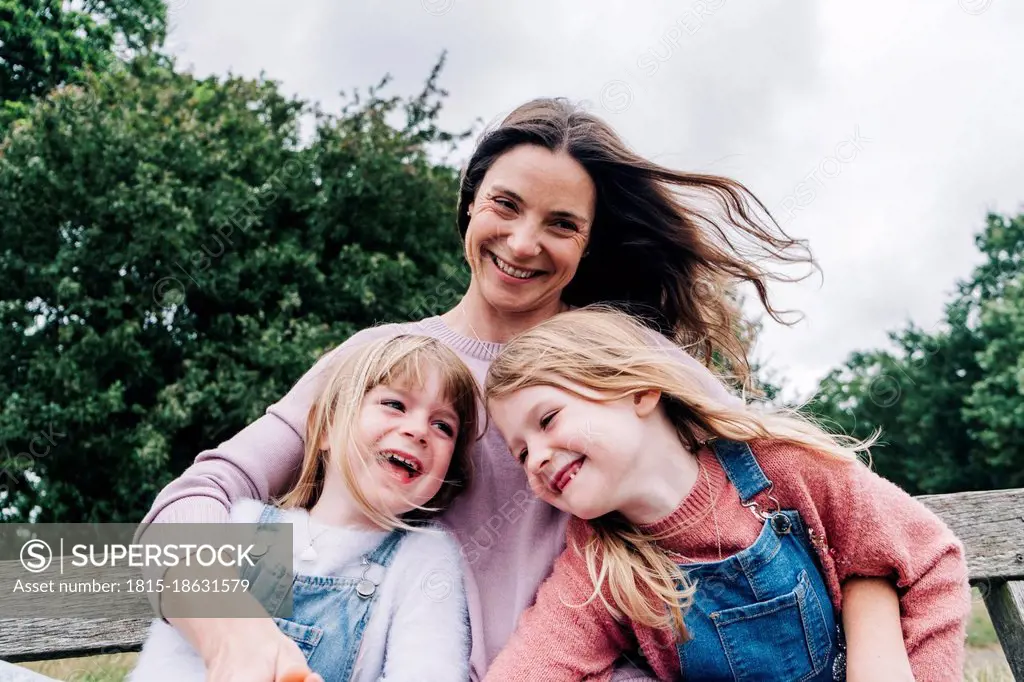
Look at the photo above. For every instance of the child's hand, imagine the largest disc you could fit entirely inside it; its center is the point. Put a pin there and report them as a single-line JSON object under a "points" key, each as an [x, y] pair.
{"points": [[874, 635], [246, 650]]}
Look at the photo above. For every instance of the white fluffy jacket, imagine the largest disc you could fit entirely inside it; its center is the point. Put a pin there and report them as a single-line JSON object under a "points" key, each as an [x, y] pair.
{"points": [[418, 631]]}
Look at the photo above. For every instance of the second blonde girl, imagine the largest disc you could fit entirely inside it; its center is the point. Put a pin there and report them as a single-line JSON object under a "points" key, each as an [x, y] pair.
{"points": [[714, 536]]}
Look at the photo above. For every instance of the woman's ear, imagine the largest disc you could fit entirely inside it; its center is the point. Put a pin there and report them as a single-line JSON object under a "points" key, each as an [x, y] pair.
{"points": [[645, 402]]}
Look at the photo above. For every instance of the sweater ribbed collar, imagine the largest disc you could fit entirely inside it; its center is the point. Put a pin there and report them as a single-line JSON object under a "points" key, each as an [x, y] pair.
{"points": [[694, 512], [482, 350]]}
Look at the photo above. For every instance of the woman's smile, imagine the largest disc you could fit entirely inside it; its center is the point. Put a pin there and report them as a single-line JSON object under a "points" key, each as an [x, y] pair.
{"points": [[511, 271]]}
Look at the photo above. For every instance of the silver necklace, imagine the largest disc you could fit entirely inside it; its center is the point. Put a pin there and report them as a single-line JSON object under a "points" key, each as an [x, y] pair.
{"points": [[365, 587], [309, 554]]}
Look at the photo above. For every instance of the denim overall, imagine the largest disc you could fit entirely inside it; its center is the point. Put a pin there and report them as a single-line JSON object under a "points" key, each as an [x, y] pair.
{"points": [[765, 612], [329, 614]]}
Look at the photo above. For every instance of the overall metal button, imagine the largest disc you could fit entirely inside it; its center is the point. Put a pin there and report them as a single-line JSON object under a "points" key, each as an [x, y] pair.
{"points": [[781, 524], [365, 588]]}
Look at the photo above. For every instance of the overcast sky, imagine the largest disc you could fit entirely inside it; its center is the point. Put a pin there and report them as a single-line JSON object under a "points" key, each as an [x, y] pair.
{"points": [[880, 131]]}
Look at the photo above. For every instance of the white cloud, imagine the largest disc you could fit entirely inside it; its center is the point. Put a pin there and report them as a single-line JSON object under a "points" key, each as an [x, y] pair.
{"points": [[761, 92]]}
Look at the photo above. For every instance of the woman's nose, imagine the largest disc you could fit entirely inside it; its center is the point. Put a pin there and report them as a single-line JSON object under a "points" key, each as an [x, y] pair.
{"points": [[524, 241]]}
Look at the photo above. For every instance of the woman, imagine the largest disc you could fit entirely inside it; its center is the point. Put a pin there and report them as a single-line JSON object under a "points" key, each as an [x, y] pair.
{"points": [[555, 212]]}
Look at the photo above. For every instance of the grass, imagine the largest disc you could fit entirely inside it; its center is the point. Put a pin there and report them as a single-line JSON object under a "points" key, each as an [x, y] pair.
{"points": [[985, 661], [109, 668], [989, 673], [980, 633]]}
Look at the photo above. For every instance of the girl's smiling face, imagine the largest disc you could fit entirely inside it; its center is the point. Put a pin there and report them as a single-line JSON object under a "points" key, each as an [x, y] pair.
{"points": [[409, 434], [579, 454]]}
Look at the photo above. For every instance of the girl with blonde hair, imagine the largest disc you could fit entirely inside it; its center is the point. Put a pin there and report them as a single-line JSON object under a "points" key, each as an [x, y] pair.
{"points": [[377, 589], [712, 535]]}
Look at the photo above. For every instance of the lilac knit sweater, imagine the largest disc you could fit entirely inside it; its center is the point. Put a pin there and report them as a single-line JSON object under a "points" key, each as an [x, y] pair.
{"points": [[509, 539]]}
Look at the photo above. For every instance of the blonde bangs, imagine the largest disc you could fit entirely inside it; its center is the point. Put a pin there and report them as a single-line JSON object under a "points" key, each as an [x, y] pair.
{"points": [[412, 368]]}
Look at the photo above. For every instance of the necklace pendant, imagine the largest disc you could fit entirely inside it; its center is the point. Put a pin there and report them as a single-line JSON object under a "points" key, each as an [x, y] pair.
{"points": [[308, 554]]}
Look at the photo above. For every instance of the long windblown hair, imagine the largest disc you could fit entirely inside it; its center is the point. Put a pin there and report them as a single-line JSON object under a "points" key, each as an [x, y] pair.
{"points": [[669, 245], [334, 415], [598, 349]]}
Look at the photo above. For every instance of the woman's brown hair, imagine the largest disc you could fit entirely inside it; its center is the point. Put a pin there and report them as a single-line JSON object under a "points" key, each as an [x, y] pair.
{"points": [[667, 246]]}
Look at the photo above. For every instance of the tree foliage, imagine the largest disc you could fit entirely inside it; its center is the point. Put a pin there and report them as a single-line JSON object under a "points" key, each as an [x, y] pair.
{"points": [[950, 401], [174, 259], [45, 44]]}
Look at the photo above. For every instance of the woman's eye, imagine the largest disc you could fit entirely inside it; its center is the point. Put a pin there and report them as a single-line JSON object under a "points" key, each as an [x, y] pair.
{"points": [[505, 203], [393, 404], [446, 428], [566, 225]]}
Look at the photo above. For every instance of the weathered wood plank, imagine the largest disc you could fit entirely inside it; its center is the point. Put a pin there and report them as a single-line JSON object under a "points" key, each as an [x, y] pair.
{"points": [[991, 525], [33, 639], [1005, 603]]}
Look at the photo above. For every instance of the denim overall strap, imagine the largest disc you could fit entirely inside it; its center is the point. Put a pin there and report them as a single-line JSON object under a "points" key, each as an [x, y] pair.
{"points": [[764, 612], [270, 514], [359, 610], [741, 467], [267, 584], [330, 613], [386, 549]]}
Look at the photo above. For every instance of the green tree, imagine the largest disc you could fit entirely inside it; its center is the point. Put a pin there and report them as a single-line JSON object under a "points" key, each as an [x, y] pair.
{"points": [[996, 400], [914, 395], [45, 44], [174, 259], [949, 402]]}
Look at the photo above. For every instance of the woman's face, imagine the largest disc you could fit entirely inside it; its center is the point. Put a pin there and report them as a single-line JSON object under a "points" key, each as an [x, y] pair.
{"points": [[580, 455], [529, 225]]}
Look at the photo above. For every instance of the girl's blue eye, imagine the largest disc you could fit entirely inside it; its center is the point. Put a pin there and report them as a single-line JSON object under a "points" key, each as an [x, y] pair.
{"points": [[394, 404], [522, 456], [446, 428], [546, 419]]}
